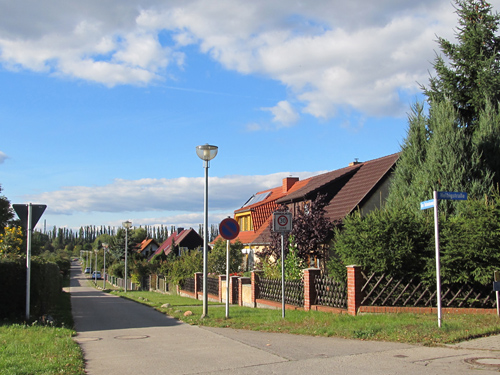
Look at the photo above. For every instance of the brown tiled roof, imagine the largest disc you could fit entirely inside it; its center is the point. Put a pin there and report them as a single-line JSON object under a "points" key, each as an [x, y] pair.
{"points": [[359, 186], [166, 246], [349, 187]]}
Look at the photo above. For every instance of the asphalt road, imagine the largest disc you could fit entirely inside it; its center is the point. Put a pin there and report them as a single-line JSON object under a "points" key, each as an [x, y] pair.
{"points": [[123, 337]]}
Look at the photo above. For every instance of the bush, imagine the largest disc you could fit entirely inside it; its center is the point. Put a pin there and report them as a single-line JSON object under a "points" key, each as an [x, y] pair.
{"points": [[216, 261], [398, 242], [46, 285]]}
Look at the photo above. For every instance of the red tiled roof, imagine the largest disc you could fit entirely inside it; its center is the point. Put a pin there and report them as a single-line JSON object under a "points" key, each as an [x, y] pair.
{"points": [[166, 246], [144, 244]]}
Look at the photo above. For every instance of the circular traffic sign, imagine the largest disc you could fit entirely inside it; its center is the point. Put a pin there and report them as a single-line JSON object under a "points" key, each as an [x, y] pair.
{"points": [[282, 220], [229, 229]]}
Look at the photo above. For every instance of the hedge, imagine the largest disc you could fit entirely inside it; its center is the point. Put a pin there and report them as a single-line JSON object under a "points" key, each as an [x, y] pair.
{"points": [[46, 284]]}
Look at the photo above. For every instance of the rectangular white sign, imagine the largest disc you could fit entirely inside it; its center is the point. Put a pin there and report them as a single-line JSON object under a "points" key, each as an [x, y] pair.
{"points": [[282, 221]]}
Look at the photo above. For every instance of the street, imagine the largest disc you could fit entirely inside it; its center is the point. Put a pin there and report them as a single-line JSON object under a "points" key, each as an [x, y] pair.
{"points": [[119, 337]]}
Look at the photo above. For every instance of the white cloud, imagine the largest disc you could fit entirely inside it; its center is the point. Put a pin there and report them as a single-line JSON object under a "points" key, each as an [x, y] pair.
{"points": [[283, 113], [3, 157], [330, 54], [184, 195]]}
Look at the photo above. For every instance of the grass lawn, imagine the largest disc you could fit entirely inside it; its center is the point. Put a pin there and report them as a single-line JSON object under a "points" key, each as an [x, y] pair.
{"points": [[41, 349], [408, 328]]}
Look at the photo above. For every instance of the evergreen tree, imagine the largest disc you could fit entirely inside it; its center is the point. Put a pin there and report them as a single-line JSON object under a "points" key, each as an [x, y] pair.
{"points": [[469, 75]]}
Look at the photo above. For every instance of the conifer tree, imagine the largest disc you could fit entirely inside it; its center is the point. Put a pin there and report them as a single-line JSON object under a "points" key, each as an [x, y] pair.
{"points": [[469, 75]]}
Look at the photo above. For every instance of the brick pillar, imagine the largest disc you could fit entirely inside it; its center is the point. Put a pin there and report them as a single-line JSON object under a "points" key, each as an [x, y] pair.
{"points": [[354, 284], [198, 283], [309, 290], [255, 286], [222, 291]]}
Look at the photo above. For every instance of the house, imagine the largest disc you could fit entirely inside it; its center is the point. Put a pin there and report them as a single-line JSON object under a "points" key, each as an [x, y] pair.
{"points": [[361, 185], [180, 240], [146, 247]]}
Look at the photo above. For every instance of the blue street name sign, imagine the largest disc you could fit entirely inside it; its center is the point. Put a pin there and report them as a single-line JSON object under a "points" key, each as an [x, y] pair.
{"points": [[427, 204], [451, 195]]}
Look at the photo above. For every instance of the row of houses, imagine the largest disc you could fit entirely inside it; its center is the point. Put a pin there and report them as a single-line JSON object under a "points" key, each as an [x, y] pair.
{"points": [[359, 186]]}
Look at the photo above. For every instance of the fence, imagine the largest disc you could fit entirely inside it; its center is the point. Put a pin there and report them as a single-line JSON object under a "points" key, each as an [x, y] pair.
{"points": [[363, 293]]}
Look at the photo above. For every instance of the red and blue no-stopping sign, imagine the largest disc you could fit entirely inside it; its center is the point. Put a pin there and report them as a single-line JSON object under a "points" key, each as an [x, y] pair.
{"points": [[229, 229]]}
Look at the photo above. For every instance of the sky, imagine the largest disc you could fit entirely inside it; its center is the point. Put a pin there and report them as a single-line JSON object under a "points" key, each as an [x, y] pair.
{"points": [[102, 103]]}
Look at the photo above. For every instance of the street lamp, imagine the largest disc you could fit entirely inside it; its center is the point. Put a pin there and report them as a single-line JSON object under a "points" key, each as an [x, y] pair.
{"points": [[206, 153], [127, 224], [95, 270], [105, 248]]}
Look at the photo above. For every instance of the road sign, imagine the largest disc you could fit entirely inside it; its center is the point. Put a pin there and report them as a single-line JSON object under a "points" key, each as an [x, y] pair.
{"points": [[282, 221], [36, 211], [229, 229], [427, 204], [452, 195]]}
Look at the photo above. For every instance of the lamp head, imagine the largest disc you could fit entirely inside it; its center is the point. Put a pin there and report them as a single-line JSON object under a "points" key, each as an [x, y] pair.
{"points": [[127, 224], [206, 152]]}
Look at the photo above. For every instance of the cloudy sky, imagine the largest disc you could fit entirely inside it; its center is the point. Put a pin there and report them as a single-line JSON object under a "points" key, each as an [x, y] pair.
{"points": [[102, 103]]}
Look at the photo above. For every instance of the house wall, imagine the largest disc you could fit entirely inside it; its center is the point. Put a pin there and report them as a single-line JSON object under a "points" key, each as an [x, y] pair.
{"points": [[378, 197]]}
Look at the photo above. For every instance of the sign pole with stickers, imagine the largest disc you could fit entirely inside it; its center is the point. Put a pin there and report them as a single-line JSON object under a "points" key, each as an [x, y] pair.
{"points": [[229, 230], [282, 223]]}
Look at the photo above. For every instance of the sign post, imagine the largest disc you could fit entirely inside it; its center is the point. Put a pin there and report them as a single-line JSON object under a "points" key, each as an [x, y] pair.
{"points": [[29, 215], [282, 223], [229, 230], [434, 203]]}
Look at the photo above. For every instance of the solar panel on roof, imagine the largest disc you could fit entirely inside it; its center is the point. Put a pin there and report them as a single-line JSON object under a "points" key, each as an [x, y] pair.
{"points": [[256, 198]]}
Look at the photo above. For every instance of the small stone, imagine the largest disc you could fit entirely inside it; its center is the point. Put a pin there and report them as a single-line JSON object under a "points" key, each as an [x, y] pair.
{"points": [[166, 305], [188, 313]]}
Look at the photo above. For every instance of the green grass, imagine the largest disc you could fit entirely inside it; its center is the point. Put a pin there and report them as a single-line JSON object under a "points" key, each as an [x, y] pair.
{"points": [[408, 328], [41, 349]]}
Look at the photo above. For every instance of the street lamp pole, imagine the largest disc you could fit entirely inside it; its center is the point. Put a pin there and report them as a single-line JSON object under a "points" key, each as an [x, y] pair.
{"points": [[206, 153], [105, 248], [95, 270], [127, 224]]}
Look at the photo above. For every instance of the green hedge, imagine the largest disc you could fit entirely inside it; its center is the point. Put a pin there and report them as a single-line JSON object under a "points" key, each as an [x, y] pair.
{"points": [[46, 284]]}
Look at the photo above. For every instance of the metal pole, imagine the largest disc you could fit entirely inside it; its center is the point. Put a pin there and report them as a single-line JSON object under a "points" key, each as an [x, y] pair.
{"points": [[95, 271], [126, 251], [227, 279], [205, 244], [104, 271], [282, 276], [438, 263], [28, 260]]}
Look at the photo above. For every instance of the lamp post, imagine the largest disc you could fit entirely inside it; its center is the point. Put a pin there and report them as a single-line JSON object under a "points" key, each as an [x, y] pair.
{"points": [[127, 224], [206, 153], [95, 270], [105, 248]]}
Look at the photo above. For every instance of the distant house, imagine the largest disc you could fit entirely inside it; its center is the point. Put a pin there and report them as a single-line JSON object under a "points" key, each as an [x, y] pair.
{"points": [[361, 185], [179, 241], [147, 247]]}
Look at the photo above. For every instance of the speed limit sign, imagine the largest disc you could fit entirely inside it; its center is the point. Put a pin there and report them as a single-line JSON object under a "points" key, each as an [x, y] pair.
{"points": [[282, 221]]}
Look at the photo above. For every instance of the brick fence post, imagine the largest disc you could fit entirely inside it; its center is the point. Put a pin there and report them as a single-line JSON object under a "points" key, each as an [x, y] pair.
{"points": [[198, 283], [309, 290], [354, 285], [255, 286]]}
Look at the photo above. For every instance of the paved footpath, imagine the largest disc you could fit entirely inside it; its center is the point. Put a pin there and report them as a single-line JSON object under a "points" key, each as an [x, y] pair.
{"points": [[123, 337]]}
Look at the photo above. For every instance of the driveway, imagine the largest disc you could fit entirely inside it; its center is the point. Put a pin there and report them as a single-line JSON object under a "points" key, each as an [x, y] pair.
{"points": [[120, 337]]}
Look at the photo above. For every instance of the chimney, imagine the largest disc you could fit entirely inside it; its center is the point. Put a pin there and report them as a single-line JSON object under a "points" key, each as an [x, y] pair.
{"points": [[288, 182], [179, 230], [355, 162]]}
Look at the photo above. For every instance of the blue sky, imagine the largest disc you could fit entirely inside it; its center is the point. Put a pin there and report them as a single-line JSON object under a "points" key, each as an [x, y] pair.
{"points": [[103, 103]]}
